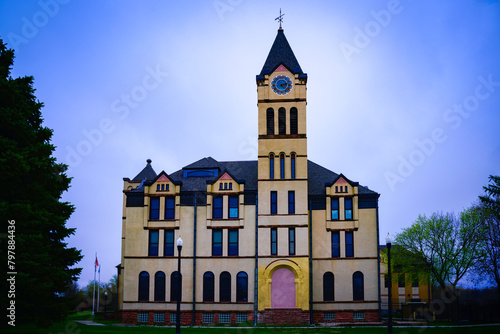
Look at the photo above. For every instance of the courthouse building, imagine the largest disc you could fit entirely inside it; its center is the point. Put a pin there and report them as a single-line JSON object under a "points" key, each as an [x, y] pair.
{"points": [[279, 239]]}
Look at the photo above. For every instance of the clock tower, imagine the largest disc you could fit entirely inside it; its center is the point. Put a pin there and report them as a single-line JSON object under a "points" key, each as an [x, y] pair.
{"points": [[282, 180]]}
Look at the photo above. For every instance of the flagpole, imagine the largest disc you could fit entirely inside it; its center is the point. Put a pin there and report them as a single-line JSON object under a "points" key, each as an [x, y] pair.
{"points": [[98, 286], [93, 294]]}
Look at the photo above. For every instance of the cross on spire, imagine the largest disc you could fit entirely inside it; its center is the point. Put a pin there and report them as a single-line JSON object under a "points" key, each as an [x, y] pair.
{"points": [[280, 18]]}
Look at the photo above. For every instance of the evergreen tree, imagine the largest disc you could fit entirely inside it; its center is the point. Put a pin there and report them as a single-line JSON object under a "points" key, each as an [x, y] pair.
{"points": [[32, 183]]}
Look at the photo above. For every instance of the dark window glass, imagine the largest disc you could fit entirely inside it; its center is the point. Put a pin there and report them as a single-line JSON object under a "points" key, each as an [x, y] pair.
{"points": [[175, 286], [160, 286], [154, 209], [335, 244], [358, 289], [292, 162], [348, 208], [208, 287], [216, 242], [328, 287], [401, 280], [232, 249], [274, 241], [169, 243], [143, 286], [233, 207], [271, 167], [270, 121], [157, 187], [169, 208], [336, 189], [335, 208], [282, 121], [167, 187], [293, 121], [349, 244], [291, 202], [225, 185], [291, 241], [217, 209], [282, 166], [242, 287], [414, 282], [230, 186], [274, 202], [221, 186], [386, 280], [225, 287], [153, 243], [162, 187]]}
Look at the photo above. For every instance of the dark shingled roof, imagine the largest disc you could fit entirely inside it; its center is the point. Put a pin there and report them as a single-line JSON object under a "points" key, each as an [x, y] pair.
{"points": [[146, 174], [281, 53]]}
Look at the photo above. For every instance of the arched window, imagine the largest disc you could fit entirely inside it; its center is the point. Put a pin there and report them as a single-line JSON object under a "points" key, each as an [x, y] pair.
{"points": [[160, 286], [328, 287], [292, 165], [144, 286], [242, 287], [208, 287], [175, 286], [293, 121], [282, 121], [225, 287], [271, 166], [270, 121], [358, 288], [282, 166]]}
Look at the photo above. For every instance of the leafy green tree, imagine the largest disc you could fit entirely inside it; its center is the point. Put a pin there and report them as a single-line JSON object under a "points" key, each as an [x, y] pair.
{"points": [[444, 246], [489, 266], [32, 184]]}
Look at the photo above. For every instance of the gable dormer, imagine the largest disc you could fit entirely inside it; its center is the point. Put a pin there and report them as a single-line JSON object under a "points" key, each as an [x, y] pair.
{"points": [[225, 201], [342, 204]]}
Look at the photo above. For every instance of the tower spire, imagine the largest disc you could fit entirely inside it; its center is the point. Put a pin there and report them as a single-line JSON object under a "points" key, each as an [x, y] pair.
{"points": [[280, 19]]}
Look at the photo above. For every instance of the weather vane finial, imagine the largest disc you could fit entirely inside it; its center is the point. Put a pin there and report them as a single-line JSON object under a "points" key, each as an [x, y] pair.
{"points": [[280, 18]]}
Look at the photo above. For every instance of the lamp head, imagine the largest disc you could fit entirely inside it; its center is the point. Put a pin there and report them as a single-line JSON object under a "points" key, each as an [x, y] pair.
{"points": [[179, 242], [388, 240], [105, 293]]}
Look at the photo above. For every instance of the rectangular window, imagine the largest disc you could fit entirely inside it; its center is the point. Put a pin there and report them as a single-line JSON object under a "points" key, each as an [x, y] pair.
{"points": [[169, 208], [401, 281], [274, 202], [221, 186], [291, 202], [271, 167], [233, 207], [159, 317], [232, 249], [292, 166], [274, 241], [216, 242], [224, 318], [241, 317], [291, 241], [414, 282], [282, 166], [217, 208], [335, 244], [153, 243], [358, 315], [173, 318], [142, 317], [348, 208], [335, 209], [329, 315], [169, 243], [349, 244], [208, 318], [386, 280], [154, 208]]}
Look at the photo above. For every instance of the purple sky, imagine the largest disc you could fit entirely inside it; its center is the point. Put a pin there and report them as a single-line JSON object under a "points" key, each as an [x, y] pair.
{"points": [[403, 96]]}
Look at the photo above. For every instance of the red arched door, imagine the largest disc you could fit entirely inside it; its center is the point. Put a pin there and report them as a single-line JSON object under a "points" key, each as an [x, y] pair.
{"points": [[283, 289]]}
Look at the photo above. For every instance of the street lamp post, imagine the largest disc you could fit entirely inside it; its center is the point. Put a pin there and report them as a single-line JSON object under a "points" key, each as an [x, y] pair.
{"points": [[178, 316], [388, 242], [105, 302]]}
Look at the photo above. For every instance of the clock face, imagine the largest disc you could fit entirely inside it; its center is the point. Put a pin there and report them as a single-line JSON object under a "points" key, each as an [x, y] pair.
{"points": [[281, 84]]}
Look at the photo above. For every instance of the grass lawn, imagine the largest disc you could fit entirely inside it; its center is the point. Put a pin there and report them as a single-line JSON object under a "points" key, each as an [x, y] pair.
{"points": [[71, 327]]}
